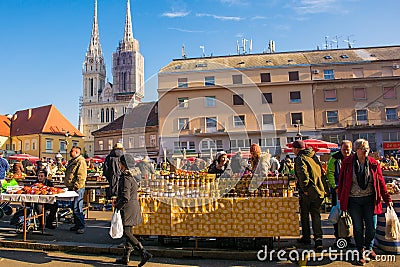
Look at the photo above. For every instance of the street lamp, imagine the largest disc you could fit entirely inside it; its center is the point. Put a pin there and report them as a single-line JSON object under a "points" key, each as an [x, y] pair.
{"points": [[298, 135], [66, 146], [10, 117]]}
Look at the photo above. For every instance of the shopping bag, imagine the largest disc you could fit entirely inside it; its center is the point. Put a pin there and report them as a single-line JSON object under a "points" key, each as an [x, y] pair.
{"points": [[345, 225], [333, 217], [392, 230], [116, 229]]}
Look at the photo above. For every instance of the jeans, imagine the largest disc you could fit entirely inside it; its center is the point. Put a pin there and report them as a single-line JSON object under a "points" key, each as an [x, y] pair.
{"points": [[79, 218], [361, 210], [310, 205]]}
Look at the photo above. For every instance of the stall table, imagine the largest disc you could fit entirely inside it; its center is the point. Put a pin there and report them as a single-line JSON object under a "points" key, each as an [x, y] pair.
{"points": [[43, 199], [222, 217]]}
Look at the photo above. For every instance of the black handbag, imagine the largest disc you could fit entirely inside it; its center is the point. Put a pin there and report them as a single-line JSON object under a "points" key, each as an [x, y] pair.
{"points": [[345, 225]]}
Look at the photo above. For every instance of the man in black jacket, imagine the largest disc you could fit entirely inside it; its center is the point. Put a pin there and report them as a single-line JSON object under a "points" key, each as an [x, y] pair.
{"points": [[112, 171]]}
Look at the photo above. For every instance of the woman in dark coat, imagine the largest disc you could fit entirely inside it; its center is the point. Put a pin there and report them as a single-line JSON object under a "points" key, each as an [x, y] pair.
{"points": [[221, 165], [128, 203]]}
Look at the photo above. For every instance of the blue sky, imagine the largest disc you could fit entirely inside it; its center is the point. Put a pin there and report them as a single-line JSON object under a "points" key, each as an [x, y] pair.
{"points": [[43, 42]]}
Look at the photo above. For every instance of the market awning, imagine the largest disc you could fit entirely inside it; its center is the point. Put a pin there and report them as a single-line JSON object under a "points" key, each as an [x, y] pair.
{"points": [[31, 158], [317, 150], [315, 143]]}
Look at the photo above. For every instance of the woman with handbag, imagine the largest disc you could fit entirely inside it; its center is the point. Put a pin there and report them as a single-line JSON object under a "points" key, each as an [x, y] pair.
{"points": [[360, 191], [128, 204]]}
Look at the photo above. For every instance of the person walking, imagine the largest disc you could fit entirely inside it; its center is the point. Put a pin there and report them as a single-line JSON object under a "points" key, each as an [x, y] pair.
{"points": [[4, 167], [332, 175], [361, 190], [128, 203], [75, 179], [308, 172], [111, 170]]}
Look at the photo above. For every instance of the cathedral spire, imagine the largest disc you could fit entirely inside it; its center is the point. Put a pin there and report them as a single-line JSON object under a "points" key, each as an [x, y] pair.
{"points": [[128, 33], [94, 46]]}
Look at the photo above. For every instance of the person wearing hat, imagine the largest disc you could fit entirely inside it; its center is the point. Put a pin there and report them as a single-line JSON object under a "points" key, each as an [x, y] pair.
{"points": [[308, 172], [112, 171], [220, 165], [128, 203]]}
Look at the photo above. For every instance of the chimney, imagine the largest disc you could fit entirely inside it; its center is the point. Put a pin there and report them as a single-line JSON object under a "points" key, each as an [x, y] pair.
{"points": [[29, 113]]}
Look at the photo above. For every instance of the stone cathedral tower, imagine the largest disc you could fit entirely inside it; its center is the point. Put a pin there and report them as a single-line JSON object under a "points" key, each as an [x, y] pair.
{"points": [[102, 102]]}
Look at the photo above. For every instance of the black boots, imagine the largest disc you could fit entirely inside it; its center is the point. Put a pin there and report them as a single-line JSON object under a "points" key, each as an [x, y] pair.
{"points": [[125, 257], [145, 256]]}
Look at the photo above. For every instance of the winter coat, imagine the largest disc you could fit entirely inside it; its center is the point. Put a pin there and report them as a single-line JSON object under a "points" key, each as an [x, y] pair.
{"points": [[146, 168], [225, 171], [76, 173], [237, 163], [4, 167], [127, 199], [112, 171], [346, 180], [333, 170], [262, 165], [307, 169]]}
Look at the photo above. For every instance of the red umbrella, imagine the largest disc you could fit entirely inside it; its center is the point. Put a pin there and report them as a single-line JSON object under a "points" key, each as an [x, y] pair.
{"points": [[31, 158], [244, 154], [95, 160], [317, 150], [315, 143]]}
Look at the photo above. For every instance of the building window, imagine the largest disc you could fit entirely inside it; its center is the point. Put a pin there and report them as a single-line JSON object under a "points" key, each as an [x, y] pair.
{"points": [[329, 75], [27, 145], [296, 118], [240, 143], [370, 137], [110, 144], [33, 144], [209, 81], [238, 99], [237, 79], [131, 142], [107, 115], [102, 115], [211, 124], [112, 114], [182, 82], [295, 97], [268, 119], [210, 101], [75, 143], [183, 102], [265, 77], [184, 145], [183, 124], [391, 114], [141, 141], [153, 140], [49, 145], [101, 145], [293, 75], [330, 95], [362, 115], [266, 98], [359, 94], [391, 136], [239, 121], [91, 85], [332, 116], [389, 92], [63, 147], [272, 145]]}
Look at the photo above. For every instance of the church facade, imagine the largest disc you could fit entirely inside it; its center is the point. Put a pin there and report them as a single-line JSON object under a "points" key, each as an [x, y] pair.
{"points": [[103, 102]]}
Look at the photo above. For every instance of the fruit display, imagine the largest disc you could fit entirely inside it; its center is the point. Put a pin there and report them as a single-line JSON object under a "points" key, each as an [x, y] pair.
{"points": [[36, 189], [393, 188]]}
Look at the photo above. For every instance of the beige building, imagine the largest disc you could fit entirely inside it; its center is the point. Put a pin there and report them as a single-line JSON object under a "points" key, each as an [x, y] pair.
{"points": [[229, 102]]}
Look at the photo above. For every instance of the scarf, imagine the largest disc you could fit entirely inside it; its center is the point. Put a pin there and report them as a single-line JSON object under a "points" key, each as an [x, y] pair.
{"points": [[362, 174]]}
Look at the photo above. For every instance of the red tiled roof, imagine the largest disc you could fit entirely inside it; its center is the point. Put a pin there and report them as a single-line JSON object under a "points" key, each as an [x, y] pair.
{"points": [[46, 119], [4, 126]]}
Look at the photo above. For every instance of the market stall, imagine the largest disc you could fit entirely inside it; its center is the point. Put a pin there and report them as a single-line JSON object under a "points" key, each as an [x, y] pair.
{"points": [[24, 199], [201, 205]]}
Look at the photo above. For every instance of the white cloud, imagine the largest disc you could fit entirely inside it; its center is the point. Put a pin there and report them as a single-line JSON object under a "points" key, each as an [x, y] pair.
{"points": [[234, 2], [219, 17], [184, 30], [258, 17], [175, 14], [316, 6]]}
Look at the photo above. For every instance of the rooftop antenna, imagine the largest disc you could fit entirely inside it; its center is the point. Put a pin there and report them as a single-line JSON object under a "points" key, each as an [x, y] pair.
{"points": [[271, 46], [183, 51], [237, 47], [251, 46], [244, 41], [202, 49], [336, 40], [349, 43], [326, 42]]}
